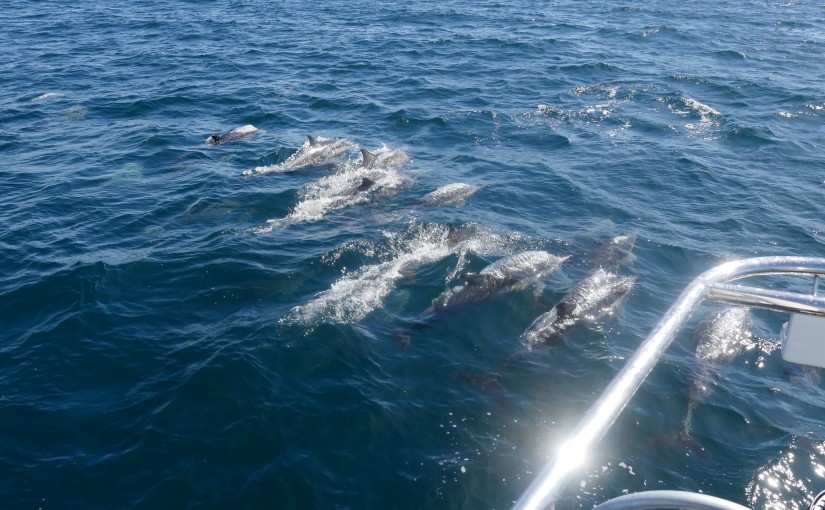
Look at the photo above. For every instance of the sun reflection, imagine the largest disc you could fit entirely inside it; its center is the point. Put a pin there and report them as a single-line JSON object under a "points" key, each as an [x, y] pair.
{"points": [[777, 487]]}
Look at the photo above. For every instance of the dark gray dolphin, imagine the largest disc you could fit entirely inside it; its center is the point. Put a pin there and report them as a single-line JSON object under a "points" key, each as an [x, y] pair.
{"points": [[234, 135], [591, 299], [505, 275], [313, 152], [365, 185]]}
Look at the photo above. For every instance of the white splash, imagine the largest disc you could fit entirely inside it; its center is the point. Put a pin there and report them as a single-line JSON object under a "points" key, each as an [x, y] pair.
{"points": [[709, 119], [238, 133], [360, 292]]}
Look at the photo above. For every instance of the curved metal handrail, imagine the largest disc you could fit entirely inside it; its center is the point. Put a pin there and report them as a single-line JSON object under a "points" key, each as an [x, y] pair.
{"points": [[546, 488], [675, 500]]}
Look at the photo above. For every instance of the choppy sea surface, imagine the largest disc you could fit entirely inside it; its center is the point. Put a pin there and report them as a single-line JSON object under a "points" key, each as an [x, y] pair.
{"points": [[245, 325]]}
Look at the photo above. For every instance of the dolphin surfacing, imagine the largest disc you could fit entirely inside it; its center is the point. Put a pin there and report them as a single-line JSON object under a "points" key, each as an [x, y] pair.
{"points": [[315, 151], [236, 134], [455, 193], [589, 300], [504, 275]]}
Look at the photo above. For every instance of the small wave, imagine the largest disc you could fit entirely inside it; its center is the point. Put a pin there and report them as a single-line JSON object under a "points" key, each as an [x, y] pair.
{"points": [[737, 55], [48, 96], [686, 106], [749, 135], [407, 118], [708, 125]]}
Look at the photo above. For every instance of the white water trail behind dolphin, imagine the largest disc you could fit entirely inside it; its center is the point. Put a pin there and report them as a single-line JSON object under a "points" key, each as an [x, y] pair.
{"points": [[340, 190]]}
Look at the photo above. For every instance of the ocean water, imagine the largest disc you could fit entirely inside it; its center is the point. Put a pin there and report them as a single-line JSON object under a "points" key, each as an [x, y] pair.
{"points": [[187, 325]]}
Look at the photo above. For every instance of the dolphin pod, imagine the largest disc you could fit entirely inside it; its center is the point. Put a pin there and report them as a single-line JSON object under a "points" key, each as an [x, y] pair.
{"points": [[596, 296]]}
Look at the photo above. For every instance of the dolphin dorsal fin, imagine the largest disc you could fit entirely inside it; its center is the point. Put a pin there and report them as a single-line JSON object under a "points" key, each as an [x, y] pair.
{"points": [[312, 140], [367, 158], [473, 278]]}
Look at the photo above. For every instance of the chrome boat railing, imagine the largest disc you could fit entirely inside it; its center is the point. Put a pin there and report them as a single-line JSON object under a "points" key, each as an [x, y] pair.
{"points": [[711, 285]]}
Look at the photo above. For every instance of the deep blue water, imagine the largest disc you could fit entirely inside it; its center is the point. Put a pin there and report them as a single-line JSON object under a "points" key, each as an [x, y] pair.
{"points": [[165, 345]]}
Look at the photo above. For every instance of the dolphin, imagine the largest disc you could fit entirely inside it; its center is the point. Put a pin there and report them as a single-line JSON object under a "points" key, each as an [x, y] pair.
{"points": [[454, 193], [612, 254], [315, 151], [234, 135], [718, 340], [505, 275], [591, 299]]}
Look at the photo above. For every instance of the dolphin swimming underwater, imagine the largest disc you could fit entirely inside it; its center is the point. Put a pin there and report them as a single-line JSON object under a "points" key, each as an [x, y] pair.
{"points": [[718, 340], [596, 296], [508, 274], [366, 184], [505, 275], [612, 254], [234, 135], [591, 299]]}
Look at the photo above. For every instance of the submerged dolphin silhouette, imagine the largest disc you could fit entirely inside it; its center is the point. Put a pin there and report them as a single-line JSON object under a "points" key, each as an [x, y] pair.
{"points": [[612, 254], [718, 340]]}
